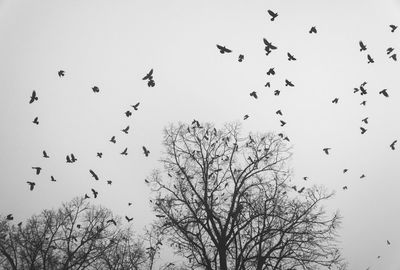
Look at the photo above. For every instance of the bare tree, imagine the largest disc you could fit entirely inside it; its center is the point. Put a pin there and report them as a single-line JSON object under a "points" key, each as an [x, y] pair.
{"points": [[224, 202]]}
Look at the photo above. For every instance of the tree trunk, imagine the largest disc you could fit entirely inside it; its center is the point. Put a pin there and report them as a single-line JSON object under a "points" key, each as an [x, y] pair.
{"points": [[222, 259]]}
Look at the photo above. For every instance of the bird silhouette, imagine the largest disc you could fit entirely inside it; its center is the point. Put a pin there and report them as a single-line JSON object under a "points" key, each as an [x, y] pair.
{"points": [[112, 221], [271, 71], [268, 84], [135, 107], [363, 130], [223, 49], [388, 242], [389, 50], [279, 112], [125, 152], [129, 203], [245, 116], [45, 154], [269, 44], [326, 150], [362, 176], [277, 92], [272, 14], [52, 179], [363, 103], [344, 188], [288, 83], [33, 97], [345, 170], [363, 91], [145, 151], [151, 83], [68, 159], [305, 178], [125, 130], [365, 120], [294, 188], [335, 100], [392, 27], [86, 196], [384, 93], [61, 73], [128, 113], [394, 57], [392, 145], [95, 193], [146, 181], [9, 217], [31, 185], [94, 175], [37, 170], [370, 59], [99, 155], [313, 29], [128, 219], [113, 139], [282, 123], [95, 89], [254, 94], [36, 121], [73, 158], [291, 57], [241, 57], [149, 76], [109, 182], [362, 46], [301, 190]]}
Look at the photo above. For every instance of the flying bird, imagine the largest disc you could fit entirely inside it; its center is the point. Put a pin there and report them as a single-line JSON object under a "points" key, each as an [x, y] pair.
{"points": [[392, 145], [135, 107], [52, 179], [31, 185], [291, 57], [94, 175], [145, 151], [151, 83], [272, 14], [241, 57], [362, 46], [335, 101], [10, 217], [245, 116], [109, 182], [282, 123], [279, 112], [73, 158], [37, 169], [61, 73], [288, 83], [277, 92], [95, 193], [113, 139], [363, 130], [112, 221], [223, 49], [313, 29], [345, 170], [305, 178], [393, 27], [125, 152], [254, 94], [384, 92], [271, 71], [268, 84], [45, 154], [344, 188], [99, 155], [363, 103], [149, 76], [95, 89], [394, 57], [370, 59], [68, 159], [33, 97], [128, 219], [36, 121], [389, 50], [86, 197], [388, 242], [326, 150], [365, 120], [125, 130]]}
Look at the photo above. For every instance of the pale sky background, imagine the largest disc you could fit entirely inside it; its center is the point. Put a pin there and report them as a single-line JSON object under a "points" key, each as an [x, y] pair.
{"points": [[113, 44]]}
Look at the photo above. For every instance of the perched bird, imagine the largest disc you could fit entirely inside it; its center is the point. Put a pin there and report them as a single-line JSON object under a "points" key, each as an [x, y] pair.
{"points": [[145, 151], [135, 107], [31, 185], [344, 188], [33, 97], [36, 121], [362, 46], [277, 92], [291, 57], [109, 182], [223, 49], [128, 113], [345, 170], [272, 14], [384, 92], [125, 130], [10, 217], [362, 176], [100, 155], [389, 50], [45, 154], [363, 130], [94, 175], [128, 219], [112, 221], [52, 179], [370, 59], [113, 139], [288, 83], [282, 123], [125, 152], [95, 193], [313, 29], [279, 112], [394, 57], [149, 76], [271, 71], [326, 150], [37, 169], [95, 89], [335, 100], [254, 94], [241, 57], [365, 120], [61, 73], [393, 27], [392, 145], [245, 116]]}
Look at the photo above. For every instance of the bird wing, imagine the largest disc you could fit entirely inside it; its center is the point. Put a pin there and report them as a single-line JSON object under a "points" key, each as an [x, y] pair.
{"points": [[270, 12], [148, 75]]}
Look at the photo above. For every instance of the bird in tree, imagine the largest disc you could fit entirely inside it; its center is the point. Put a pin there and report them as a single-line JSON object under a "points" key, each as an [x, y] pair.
{"points": [[393, 27], [52, 179], [61, 73], [335, 100], [291, 57], [370, 59], [136, 106], [128, 219], [95, 89], [36, 121], [31, 185], [9, 217], [301, 190], [312, 30], [37, 170], [125, 152], [326, 150], [45, 154], [392, 145], [34, 97], [288, 83], [94, 175], [272, 14], [363, 130], [223, 49], [149, 76], [113, 139], [384, 93], [241, 57], [254, 94], [151, 83], [95, 193], [362, 46]]}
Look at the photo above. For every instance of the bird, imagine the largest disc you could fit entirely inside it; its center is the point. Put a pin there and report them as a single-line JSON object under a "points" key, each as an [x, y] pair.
{"points": [[241, 57], [291, 57], [393, 27], [345, 170], [145, 151], [10, 217], [128, 219], [362, 176], [392, 145], [389, 50], [223, 49], [100, 155], [365, 120], [37, 169], [362, 46], [269, 44], [272, 14], [254, 94], [268, 84], [313, 29], [394, 57], [129, 203], [125, 130], [36, 121], [282, 123], [305, 178], [277, 92], [151, 83], [288, 83], [326, 150], [73, 158], [363, 103], [31, 185], [271, 71], [245, 116], [146, 181], [33, 97], [95, 193], [135, 107], [388, 242], [53, 179], [279, 112], [86, 196], [68, 159], [149, 76], [370, 59], [335, 100], [384, 92], [109, 182], [113, 139], [344, 188], [95, 89], [19, 224], [301, 190], [45, 154], [61, 73], [294, 187], [94, 175], [125, 152], [112, 221], [363, 130], [128, 113]]}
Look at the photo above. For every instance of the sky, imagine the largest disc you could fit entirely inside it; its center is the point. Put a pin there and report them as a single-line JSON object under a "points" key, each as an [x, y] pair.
{"points": [[113, 44]]}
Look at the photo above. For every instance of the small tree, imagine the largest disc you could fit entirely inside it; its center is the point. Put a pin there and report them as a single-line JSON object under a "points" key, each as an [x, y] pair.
{"points": [[224, 202]]}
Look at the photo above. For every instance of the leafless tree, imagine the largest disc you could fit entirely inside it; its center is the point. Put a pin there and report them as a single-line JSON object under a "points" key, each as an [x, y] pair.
{"points": [[224, 202]]}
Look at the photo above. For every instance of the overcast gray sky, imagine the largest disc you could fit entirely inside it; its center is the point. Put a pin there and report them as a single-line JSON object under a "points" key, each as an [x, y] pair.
{"points": [[113, 44]]}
